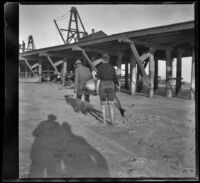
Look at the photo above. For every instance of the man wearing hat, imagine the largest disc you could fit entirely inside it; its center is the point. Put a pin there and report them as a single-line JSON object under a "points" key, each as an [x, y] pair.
{"points": [[82, 75], [107, 81]]}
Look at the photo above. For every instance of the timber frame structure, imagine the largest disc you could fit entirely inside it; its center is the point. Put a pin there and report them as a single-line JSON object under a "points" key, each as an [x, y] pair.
{"points": [[136, 48]]}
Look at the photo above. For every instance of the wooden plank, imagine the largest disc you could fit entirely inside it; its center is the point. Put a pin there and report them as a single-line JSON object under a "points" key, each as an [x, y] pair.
{"points": [[192, 88], [178, 71]]}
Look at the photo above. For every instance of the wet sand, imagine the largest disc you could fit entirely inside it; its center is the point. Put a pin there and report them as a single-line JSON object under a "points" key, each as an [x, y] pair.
{"points": [[157, 138]]}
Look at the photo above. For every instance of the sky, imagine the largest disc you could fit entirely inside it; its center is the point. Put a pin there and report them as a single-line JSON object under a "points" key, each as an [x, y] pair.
{"points": [[37, 20]]}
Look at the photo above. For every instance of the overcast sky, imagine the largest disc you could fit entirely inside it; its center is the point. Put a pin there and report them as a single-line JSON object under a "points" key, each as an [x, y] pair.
{"points": [[37, 20]]}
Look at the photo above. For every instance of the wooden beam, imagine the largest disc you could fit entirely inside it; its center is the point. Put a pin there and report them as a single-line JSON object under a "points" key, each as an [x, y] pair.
{"points": [[34, 65], [144, 56], [192, 88], [168, 74], [151, 72], [182, 41], [133, 75], [101, 51], [135, 54], [178, 71], [154, 45], [58, 63], [76, 48], [64, 71], [26, 61], [119, 63], [51, 62]]}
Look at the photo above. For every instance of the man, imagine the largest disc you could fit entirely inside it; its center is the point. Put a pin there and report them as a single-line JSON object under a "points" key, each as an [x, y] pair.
{"points": [[82, 75], [107, 81]]}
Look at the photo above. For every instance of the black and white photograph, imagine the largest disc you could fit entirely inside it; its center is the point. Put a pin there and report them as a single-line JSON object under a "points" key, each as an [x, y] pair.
{"points": [[107, 91]]}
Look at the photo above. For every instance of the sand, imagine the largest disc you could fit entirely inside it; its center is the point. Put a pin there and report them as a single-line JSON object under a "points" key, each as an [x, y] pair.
{"points": [[157, 138]]}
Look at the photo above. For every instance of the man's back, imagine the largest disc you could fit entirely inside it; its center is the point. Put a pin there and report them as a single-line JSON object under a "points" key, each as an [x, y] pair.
{"points": [[107, 72], [83, 73]]}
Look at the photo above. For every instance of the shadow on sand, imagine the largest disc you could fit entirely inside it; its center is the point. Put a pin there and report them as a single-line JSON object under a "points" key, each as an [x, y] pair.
{"points": [[58, 153], [84, 107]]}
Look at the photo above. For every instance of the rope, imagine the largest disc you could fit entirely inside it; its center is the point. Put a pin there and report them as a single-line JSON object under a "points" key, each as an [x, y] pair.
{"points": [[62, 17]]}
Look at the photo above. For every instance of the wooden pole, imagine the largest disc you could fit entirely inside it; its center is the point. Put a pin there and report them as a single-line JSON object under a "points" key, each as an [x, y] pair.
{"points": [[151, 72], [119, 62], [168, 74], [192, 89], [40, 69], [126, 75], [178, 71], [156, 75], [133, 75], [64, 71], [139, 80]]}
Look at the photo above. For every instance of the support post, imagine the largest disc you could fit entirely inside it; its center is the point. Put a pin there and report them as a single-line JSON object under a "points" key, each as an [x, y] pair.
{"points": [[151, 72], [168, 74], [178, 71], [133, 75], [139, 80], [156, 75], [192, 88], [64, 71], [126, 75], [119, 62], [40, 70]]}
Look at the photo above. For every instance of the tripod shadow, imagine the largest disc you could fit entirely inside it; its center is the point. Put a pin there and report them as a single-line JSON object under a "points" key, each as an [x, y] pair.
{"points": [[58, 153], [84, 107]]}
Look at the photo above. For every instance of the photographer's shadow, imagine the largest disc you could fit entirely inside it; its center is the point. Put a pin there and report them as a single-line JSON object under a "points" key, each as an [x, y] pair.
{"points": [[58, 153]]}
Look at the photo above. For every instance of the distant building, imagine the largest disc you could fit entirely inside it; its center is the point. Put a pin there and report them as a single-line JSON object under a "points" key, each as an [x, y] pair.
{"points": [[96, 35]]}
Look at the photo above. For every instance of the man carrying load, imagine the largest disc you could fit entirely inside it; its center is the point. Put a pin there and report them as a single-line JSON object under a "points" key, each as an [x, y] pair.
{"points": [[82, 75], [106, 83]]}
